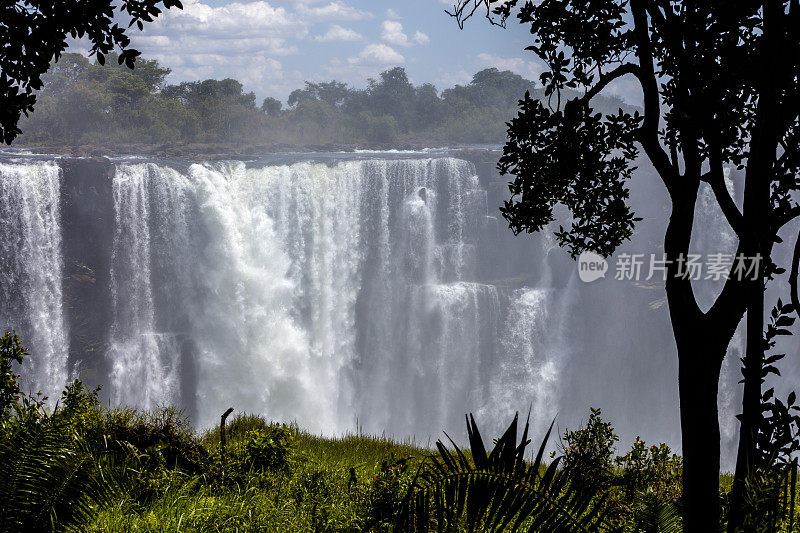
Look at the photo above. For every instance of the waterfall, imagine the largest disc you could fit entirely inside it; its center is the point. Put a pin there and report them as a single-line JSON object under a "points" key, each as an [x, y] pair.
{"points": [[309, 291], [336, 292], [30, 263]]}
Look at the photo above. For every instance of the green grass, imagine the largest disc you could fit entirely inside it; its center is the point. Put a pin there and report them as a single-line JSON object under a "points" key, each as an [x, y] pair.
{"points": [[314, 493]]}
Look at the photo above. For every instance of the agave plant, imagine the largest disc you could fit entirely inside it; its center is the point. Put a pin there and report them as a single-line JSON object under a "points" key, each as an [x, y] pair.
{"points": [[498, 490]]}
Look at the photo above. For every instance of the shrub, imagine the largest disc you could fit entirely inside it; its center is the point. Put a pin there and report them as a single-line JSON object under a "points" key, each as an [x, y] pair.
{"points": [[654, 468], [160, 438], [11, 351], [386, 492], [269, 449], [589, 452]]}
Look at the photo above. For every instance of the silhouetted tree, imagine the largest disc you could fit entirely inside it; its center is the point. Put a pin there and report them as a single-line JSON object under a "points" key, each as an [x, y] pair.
{"points": [[727, 74], [34, 32]]}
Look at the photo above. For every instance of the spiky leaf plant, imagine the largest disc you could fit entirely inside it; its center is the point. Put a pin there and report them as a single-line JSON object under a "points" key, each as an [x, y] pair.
{"points": [[498, 490]]}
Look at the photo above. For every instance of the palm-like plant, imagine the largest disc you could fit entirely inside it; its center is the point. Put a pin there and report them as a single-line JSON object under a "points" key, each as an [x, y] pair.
{"points": [[48, 478], [498, 490], [657, 515], [50, 482]]}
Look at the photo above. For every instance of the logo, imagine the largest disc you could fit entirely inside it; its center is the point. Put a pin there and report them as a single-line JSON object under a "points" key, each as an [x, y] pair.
{"points": [[591, 266]]}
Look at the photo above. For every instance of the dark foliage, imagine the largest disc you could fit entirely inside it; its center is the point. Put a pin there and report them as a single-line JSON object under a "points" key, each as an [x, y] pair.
{"points": [[51, 480], [769, 488], [721, 87], [161, 437], [34, 33], [11, 351]]}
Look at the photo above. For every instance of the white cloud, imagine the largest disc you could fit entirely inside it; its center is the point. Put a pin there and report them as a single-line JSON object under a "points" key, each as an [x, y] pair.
{"points": [[392, 14], [528, 69], [338, 33], [380, 54], [449, 79], [240, 40], [393, 33], [232, 20], [264, 75], [236, 29], [335, 10]]}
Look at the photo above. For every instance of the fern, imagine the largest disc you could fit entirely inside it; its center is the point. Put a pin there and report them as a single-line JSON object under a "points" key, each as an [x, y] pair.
{"points": [[656, 515]]}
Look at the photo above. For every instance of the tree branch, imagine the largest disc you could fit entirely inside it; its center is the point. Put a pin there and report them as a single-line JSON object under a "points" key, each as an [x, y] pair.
{"points": [[462, 5], [716, 178], [605, 79], [793, 275], [648, 132], [787, 217]]}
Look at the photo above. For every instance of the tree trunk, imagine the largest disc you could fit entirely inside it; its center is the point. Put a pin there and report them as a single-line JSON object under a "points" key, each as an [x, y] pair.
{"points": [[751, 407], [698, 379], [702, 341]]}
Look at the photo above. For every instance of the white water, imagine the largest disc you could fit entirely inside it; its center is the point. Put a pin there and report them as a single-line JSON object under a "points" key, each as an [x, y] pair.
{"points": [[30, 266], [318, 293]]}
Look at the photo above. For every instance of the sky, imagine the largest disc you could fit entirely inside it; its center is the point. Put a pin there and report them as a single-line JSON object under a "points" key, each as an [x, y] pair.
{"points": [[273, 46]]}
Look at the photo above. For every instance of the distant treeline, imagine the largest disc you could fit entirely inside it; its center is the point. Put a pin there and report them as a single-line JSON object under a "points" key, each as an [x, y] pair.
{"points": [[84, 103]]}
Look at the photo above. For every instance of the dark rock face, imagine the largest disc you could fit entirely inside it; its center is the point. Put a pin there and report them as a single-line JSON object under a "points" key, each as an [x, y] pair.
{"points": [[87, 211]]}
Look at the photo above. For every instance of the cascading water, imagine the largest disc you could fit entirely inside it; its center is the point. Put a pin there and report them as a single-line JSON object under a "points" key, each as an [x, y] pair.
{"points": [[322, 293], [382, 291], [30, 264]]}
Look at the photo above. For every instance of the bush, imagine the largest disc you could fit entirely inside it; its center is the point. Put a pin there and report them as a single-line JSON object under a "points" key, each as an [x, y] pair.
{"points": [[655, 469], [11, 351], [269, 449], [160, 438], [589, 452], [386, 492]]}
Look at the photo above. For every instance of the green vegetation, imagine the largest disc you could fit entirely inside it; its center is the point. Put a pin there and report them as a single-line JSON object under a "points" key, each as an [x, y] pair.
{"points": [[84, 103], [84, 467]]}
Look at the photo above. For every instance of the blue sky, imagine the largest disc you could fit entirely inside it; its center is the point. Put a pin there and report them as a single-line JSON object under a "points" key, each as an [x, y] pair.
{"points": [[273, 46]]}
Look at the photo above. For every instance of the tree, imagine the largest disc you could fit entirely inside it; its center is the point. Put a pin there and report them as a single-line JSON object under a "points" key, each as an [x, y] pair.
{"points": [[502, 87], [64, 73], [271, 106], [427, 105], [151, 74], [392, 96], [34, 33], [720, 87]]}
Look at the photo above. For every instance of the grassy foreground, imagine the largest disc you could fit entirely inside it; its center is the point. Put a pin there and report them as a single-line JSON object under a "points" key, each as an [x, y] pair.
{"points": [[79, 466], [313, 490], [280, 478]]}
